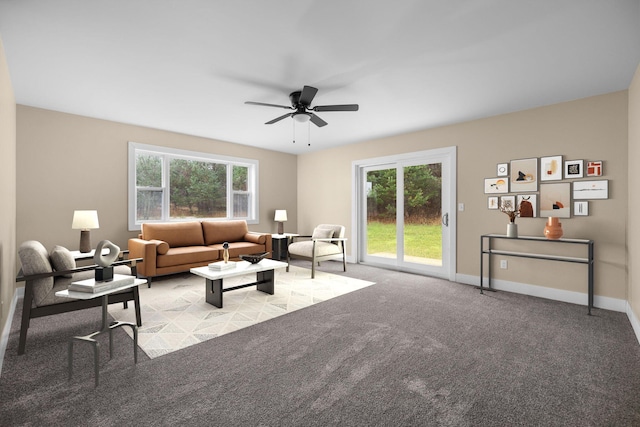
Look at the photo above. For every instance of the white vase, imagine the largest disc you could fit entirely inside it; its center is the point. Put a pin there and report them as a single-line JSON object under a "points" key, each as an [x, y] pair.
{"points": [[512, 230]]}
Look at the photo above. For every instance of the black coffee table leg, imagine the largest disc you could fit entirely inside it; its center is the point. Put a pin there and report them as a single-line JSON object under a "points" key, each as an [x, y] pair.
{"points": [[266, 281], [214, 292]]}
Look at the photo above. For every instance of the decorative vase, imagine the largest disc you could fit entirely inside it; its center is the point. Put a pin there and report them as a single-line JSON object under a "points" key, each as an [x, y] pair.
{"points": [[553, 229], [512, 230]]}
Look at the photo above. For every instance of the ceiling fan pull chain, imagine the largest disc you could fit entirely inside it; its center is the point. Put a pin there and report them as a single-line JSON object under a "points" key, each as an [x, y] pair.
{"points": [[308, 134], [293, 123]]}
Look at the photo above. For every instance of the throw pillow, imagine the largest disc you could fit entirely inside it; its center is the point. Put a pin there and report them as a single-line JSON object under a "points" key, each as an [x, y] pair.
{"points": [[61, 260], [322, 233]]}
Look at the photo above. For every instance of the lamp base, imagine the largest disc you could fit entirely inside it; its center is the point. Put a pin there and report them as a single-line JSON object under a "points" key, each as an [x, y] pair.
{"points": [[85, 241], [280, 227]]}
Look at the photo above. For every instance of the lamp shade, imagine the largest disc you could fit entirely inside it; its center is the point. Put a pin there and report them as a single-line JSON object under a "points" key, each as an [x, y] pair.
{"points": [[85, 220], [281, 215]]}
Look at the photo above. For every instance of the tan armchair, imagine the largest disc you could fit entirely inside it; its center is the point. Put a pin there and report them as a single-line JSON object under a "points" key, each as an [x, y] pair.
{"points": [[46, 273], [326, 243]]}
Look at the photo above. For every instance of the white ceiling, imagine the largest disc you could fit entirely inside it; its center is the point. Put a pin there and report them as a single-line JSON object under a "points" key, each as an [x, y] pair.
{"points": [[189, 65]]}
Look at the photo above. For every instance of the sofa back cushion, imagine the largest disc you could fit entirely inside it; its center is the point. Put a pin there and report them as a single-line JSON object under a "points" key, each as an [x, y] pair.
{"points": [[176, 234], [35, 260], [224, 231]]}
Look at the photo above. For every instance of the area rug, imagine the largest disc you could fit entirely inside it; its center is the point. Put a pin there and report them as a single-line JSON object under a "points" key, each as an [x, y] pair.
{"points": [[175, 314]]}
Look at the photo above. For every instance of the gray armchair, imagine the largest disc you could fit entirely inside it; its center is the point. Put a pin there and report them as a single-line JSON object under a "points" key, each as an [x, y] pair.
{"points": [[44, 274], [326, 243]]}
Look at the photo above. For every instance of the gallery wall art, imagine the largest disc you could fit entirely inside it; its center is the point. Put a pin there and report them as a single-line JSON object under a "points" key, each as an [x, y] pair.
{"points": [[524, 175], [555, 200]]}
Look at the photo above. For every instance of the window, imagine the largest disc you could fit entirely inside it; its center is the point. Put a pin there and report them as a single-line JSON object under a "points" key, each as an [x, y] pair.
{"points": [[168, 184]]}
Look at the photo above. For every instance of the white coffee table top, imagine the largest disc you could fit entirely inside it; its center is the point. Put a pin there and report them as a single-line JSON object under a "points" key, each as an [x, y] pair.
{"points": [[242, 267]]}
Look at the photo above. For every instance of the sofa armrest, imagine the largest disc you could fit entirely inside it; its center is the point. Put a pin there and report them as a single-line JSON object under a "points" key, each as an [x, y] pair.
{"points": [[147, 250], [260, 238]]}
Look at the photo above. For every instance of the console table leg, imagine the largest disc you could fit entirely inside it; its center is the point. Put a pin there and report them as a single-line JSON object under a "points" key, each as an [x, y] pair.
{"points": [[213, 292]]}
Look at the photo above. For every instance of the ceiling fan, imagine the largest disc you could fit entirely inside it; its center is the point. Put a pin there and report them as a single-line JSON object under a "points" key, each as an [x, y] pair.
{"points": [[301, 104]]}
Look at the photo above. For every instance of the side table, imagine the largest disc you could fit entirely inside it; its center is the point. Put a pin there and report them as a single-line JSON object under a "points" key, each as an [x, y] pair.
{"points": [[280, 244], [105, 326]]}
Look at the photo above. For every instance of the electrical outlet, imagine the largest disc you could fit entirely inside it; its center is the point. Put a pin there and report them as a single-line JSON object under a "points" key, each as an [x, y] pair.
{"points": [[503, 264], [461, 207]]}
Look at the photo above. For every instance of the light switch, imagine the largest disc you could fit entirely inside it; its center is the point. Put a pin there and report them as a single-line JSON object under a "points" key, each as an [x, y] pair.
{"points": [[461, 207]]}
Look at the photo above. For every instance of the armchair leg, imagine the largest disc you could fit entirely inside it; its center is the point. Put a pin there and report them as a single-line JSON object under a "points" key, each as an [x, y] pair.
{"points": [[26, 317]]}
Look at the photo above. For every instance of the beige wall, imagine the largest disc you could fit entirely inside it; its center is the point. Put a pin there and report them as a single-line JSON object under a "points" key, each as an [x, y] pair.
{"points": [[7, 190], [591, 129], [633, 237], [68, 162]]}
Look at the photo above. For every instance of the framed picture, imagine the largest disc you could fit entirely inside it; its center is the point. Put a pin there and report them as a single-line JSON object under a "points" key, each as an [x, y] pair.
{"points": [[492, 202], [508, 202], [591, 189], [581, 208], [528, 204], [524, 175], [551, 168], [555, 200], [502, 169], [594, 168], [573, 169], [496, 185]]}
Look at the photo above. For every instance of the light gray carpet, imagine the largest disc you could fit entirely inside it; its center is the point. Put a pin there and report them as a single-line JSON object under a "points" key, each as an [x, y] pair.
{"points": [[409, 350]]}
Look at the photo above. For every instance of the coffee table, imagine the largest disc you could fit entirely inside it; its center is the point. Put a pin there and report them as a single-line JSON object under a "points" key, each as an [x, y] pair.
{"points": [[214, 288]]}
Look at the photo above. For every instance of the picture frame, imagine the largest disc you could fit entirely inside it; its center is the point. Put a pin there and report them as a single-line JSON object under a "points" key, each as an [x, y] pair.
{"points": [[492, 202], [580, 208], [524, 175], [591, 189], [496, 185], [528, 205], [573, 169], [508, 202], [551, 168], [594, 168], [502, 169], [555, 200]]}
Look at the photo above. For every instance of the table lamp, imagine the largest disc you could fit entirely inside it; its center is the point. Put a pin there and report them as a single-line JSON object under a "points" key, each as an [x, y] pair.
{"points": [[85, 221], [280, 218]]}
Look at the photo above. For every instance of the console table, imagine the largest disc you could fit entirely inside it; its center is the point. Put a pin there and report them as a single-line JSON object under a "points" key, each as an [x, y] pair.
{"points": [[487, 249]]}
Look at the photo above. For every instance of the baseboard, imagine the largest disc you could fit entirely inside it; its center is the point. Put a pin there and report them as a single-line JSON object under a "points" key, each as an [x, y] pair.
{"points": [[606, 303], [4, 339], [635, 323]]}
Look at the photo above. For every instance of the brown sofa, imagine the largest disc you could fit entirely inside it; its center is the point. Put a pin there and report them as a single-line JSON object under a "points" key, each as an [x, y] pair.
{"points": [[179, 246]]}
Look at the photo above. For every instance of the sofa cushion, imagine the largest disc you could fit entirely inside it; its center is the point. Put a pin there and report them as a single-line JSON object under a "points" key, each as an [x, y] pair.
{"points": [[61, 260], [187, 255], [224, 231], [176, 234], [35, 260]]}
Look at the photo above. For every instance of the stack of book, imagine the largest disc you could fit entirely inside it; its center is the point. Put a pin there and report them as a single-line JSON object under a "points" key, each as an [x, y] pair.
{"points": [[91, 286], [221, 265]]}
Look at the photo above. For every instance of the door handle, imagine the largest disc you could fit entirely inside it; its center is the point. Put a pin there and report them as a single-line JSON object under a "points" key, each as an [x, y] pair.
{"points": [[445, 219]]}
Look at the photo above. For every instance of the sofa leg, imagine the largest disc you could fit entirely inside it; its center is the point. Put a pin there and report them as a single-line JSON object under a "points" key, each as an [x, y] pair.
{"points": [[148, 282]]}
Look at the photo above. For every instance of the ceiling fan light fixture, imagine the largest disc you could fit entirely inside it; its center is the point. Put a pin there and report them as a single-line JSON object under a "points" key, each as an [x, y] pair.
{"points": [[302, 117]]}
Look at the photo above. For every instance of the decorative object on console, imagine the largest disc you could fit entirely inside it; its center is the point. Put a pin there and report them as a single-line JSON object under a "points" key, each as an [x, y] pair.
{"points": [[85, 221], [280, 218], [104, 272], [254, 258], [507, 206], [553, 228]]}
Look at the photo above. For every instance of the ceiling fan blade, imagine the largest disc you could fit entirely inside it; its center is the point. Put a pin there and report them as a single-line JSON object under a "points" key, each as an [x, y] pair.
{"points": [[268, 105], [346, 107], [307, 95], [277, 119], [317, 121]]}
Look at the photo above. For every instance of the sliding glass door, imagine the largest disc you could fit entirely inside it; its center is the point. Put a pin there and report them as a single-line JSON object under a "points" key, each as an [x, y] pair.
{"points": [[405, 212]]}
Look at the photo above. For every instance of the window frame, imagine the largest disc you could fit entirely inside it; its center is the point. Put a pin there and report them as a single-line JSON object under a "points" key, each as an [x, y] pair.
{"points": [[168, 153]]}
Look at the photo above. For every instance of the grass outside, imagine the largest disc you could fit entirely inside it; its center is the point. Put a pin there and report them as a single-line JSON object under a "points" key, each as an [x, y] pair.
{"points": [[420, 240]]}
